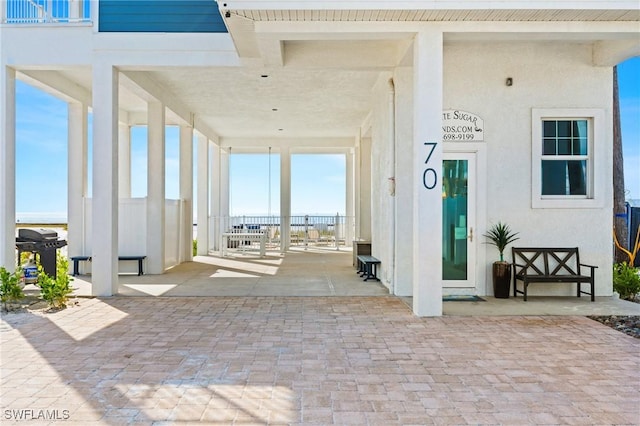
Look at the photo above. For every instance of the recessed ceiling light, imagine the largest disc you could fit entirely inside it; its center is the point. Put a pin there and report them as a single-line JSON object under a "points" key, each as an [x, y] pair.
{"points": [[280, 130]]}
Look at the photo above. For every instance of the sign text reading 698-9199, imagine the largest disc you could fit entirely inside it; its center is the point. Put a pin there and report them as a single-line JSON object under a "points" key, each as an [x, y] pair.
{"points": [[458, 136]]}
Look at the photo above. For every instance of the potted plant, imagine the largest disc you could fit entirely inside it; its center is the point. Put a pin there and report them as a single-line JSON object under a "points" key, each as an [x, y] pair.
{"points": [[500, 235]]}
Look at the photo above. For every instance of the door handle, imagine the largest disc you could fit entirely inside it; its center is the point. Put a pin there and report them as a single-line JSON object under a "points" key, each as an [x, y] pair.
{"points": [[470, 236]]}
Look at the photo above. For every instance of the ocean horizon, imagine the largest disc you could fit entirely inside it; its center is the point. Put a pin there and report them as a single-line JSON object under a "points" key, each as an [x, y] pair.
{"points": [[44, 217]]}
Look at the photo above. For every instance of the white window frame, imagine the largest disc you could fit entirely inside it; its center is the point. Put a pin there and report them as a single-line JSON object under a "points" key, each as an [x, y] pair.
{"points": [[596, 161]]}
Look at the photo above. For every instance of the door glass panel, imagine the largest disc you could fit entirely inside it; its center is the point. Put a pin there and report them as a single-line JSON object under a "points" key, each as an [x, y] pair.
{"points": [[455, 176]]}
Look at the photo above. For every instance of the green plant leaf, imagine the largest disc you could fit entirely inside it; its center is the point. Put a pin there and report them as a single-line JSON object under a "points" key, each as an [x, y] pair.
{"points": [[626, 280], [500, 235]]}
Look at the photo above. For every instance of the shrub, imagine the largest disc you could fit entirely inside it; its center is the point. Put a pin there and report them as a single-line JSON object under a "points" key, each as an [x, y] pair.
{"points": [[56, 291], [10, 289], [626, 280], [195, 247]]}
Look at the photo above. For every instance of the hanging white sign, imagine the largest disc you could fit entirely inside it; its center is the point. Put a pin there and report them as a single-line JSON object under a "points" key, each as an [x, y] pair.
{"points": [[461, 126]]}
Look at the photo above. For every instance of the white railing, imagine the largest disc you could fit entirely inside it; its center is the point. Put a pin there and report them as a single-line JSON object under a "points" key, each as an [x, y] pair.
{"points": [[44, 11], [304, 231]]}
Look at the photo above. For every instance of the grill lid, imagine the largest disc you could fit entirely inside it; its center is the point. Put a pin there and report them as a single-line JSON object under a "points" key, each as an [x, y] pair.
{"points": [[40, 234]]}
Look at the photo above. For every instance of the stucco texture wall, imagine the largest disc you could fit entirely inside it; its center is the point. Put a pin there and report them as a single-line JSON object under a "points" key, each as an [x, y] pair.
{"points": [[382, 168], [545, 75]]}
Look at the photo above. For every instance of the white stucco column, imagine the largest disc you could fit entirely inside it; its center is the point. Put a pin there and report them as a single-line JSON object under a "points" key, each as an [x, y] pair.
{"points": [[104, 235], [124, 160], [77, 179], [364, 199], [403, 272], [75, 8], [224, 189], [349, 202], [427, 162], [155, 187], [203, 195], [356, 188], [186, 192], [7, 167], [285, 199], [218, 225]]}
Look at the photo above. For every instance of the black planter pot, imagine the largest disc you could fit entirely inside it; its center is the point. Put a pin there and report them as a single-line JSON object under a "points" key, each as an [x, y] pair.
{"points": [[501, 280]]}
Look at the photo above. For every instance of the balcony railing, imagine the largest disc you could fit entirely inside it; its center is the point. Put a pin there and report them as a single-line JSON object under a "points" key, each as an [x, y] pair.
{"points": [[44, 11], [304, 231]]}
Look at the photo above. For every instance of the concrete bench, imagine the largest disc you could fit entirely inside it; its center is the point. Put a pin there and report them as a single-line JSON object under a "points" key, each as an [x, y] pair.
{"points": [[77, 259], [550, 265], [368, 267]]}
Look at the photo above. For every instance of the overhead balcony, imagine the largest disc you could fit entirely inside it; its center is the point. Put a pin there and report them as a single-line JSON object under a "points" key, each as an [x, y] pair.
{"points": [[142, 16], [45, 11]]}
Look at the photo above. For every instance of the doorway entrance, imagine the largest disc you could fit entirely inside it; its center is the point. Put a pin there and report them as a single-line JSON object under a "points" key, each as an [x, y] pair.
{"points": [[459, 220]]}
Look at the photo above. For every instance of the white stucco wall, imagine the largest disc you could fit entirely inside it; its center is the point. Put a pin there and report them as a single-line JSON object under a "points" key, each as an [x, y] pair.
{"points": [[545, 75], [382, 168], [404, 177]]}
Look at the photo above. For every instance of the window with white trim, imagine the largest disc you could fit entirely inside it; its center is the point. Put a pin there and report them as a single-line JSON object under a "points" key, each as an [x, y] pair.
{"points": [[566, 147], [565, 158]]}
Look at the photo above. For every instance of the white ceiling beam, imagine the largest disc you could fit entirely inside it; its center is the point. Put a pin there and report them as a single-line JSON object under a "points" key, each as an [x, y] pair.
{"points": [[139, 118], [385, 30], [335, 30], [305, 144], [610, 53], [148, 89], [352, 54], [271, 51], [243, 35], [124, 116], [205, 129], [56, 84]]}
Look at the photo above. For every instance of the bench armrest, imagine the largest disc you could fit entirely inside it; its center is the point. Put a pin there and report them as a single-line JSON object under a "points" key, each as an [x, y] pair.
{"points": [[589, 266]]}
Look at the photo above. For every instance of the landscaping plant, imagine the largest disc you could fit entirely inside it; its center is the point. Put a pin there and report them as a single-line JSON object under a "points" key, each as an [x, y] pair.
{"points": [[10, 289], [56, 291], [500, 235], [626, 280]]}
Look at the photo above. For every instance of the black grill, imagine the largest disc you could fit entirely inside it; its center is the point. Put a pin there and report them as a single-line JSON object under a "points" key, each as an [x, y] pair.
{"points": [[43, 243]]}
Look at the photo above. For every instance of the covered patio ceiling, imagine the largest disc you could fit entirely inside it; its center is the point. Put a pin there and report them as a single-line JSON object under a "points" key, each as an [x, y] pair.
{"points": [[309, 74]]}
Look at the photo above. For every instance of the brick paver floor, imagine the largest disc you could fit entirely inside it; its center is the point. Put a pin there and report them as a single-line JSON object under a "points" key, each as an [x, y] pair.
{"points": [[310, 360]]}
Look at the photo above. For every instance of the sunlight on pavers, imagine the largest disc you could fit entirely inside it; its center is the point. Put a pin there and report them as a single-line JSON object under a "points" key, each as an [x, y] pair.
{"points": [[249, 267], [99, 317], [151, 289], [223, 273], [307, 360], [213, 403]]}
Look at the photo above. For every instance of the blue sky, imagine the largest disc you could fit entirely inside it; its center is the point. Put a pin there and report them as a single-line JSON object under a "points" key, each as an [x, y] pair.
{"points": [[318, 181]]}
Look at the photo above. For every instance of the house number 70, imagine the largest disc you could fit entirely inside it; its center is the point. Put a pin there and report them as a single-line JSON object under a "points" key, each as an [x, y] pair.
{"points": [[430, 176]]}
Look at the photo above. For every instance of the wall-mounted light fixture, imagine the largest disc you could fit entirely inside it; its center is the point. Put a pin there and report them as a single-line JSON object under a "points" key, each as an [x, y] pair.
{"points": [[509, 81]]}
